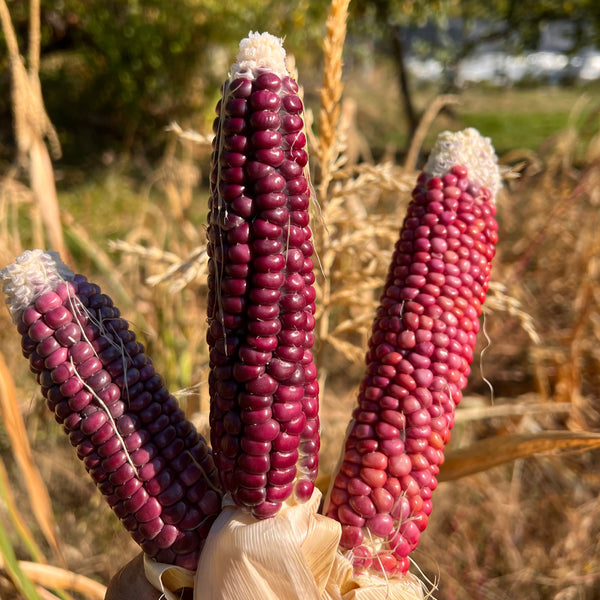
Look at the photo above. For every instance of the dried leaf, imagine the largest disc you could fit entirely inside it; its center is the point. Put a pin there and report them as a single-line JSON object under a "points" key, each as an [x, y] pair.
{"points": [[501, 449], [25, 535], [62, 579], [15, 427]]}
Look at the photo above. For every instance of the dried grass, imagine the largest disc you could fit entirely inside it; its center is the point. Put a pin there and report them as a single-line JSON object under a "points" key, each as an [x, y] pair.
{"points": [[527, 528]]}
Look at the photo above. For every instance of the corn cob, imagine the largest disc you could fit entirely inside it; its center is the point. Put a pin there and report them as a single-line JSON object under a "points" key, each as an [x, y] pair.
{"points": [[146, 458], [419, 355], [263, 387]]}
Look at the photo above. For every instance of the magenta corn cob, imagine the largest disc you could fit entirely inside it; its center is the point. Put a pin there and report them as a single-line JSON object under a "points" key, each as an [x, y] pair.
{"points": [[146, 458], [419, 355], [263, 386]]}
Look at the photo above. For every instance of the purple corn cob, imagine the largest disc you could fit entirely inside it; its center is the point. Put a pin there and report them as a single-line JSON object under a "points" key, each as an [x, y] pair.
{"points": [[147, 459], [419, 355], [263, 386]]}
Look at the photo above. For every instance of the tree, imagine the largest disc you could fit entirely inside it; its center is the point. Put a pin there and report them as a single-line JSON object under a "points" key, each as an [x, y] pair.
{"points": [[511, 24], [122, 69]]}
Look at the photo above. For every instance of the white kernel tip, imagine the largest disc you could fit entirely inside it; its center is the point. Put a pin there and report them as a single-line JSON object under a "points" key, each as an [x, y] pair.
{"points": [[467, 148], [32, 274], [259, 53]]}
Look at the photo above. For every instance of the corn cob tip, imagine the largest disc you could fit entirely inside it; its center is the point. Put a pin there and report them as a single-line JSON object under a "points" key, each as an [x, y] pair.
{"points": [[469, 149], [31, 275], [257, 53]]}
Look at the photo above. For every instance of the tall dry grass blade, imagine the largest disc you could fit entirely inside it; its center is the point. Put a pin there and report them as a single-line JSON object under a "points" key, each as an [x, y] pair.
{"points": [[36, 488], [80, 238], [331, 91], [34, 37], [25, 535], [10, 564], [42, 184], [32, 125], [62, 579], [410, 164], [507, 410], [501, 449]]}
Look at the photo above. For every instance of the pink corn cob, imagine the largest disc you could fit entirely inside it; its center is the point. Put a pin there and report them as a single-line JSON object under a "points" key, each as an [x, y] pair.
{"points": [[263, 386], [146, 458], [419, 355]]}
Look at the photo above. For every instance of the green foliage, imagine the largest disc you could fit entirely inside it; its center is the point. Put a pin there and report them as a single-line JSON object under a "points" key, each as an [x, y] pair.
{"points": [[120, 70]]}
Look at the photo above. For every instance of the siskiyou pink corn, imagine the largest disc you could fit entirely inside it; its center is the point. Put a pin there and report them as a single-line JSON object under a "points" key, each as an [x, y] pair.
{"points": [[419, 356], [263, 386], [147, 459]]}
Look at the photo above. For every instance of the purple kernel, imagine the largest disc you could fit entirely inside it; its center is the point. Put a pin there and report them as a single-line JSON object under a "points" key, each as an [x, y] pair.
{"points": [[292, 104], [264, 140], [47, 347], [248, 401], [266, 509], [285, 411], [263, 432], [164, 437], [279, 493], [250, 497], [265, 119], [257, 170], [264, 100], [113, 462], [250, 480], [286, 442], [93, 422], [56, 358], [150, 529], [122, 475], [89, 367], [149, 511], [381, 525], [347, 516], [136, 501], [282, 476], [167, 536], [268, 81], [47, 302], [254, 464], [68, 334], [271, 156], [264, 329], [136, 440], [173, 494], [98, 380], [58, 317], [30, 316], [160, 483]]}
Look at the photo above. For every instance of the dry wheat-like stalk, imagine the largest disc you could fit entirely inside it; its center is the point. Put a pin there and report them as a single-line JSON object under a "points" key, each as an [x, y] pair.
{"points": [[32, 124], [500, 301], [14, 425], [331, 91]]}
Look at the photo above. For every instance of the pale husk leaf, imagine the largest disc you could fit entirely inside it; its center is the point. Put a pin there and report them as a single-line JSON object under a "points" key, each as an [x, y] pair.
{"points": [[292, 556]]}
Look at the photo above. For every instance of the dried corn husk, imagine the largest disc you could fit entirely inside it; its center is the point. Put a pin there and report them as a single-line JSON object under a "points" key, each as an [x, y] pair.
{"points": [[292, 556]]}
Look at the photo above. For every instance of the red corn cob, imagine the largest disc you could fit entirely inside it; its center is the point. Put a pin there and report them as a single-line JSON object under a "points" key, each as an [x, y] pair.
{"points": [[419, 355], [264, 392], [146, 458]]}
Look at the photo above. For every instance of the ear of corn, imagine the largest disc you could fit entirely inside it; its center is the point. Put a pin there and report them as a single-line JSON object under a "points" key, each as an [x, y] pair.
{"points": [[263, 387], [419, 356], [146, 458]]}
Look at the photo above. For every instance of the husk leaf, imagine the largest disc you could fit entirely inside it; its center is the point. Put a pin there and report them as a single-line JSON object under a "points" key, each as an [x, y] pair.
{"points": [[292, 556]]}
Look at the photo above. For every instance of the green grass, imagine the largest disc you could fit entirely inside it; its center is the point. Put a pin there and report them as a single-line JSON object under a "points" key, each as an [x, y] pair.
{"points": [[516, 130], [518, 117]]}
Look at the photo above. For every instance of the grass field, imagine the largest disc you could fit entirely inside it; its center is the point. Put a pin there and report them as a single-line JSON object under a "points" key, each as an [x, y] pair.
{"points": [[526, 528]]}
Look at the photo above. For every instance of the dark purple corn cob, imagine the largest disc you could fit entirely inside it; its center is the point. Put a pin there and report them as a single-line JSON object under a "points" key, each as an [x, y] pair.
{"points": [[146, 458], [419, 356], [263, 384]]}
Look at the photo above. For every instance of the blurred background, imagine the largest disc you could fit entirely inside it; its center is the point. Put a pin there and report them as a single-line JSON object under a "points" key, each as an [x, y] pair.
{"points": [[105, 130]]}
